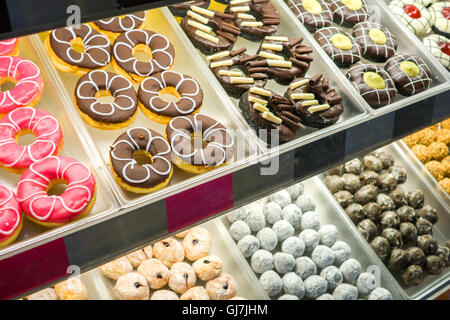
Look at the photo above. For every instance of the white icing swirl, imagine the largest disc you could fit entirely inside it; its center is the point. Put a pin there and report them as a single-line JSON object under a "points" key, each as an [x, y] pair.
{"points": [[129, 17]]}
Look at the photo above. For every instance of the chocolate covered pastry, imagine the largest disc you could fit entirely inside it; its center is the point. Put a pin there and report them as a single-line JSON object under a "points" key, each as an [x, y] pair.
{"points": [[369, 177], [372, 211], [424, 226], [335, 171], [373, 163], [389, 219], [339, 45], [344, 198], [351, 182], [365, 194], [417, 256], [349, 12], [399, 173], [334, 183], [399, 197], [210, 31], [427, 243], [444, 253], [180, 9], [393, 236], [434, 264], [376, 41], [313, 14], [399, 259], [355, 212], [427, 212], [368, 229], [230, 68], [385, 202], [315, 101], [415, 198], [382, 247], [255, 18], [413, 275], [282, 58], [410, 74], [408, 231], [386, 158], [373, 83], [406, 214], [354, 166], [387, 182]]}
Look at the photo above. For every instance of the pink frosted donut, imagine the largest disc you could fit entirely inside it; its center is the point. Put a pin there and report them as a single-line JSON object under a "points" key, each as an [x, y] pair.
{"points": [[48, 132], [10, 216], [76, 201], [27, 78], [9, 47]]}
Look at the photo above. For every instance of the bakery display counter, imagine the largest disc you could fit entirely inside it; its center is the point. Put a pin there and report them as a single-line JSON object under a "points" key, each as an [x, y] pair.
{"points": [[145, 186]]}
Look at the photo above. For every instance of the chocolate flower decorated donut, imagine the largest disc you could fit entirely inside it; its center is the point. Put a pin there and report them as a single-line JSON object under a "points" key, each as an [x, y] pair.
{"points": [[115, 26], [186, 135]]}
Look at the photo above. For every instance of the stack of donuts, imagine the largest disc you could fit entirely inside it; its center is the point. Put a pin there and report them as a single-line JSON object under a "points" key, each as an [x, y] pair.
{"points": [[172, 269], [38, 164], [279, 57], [120, 58]]}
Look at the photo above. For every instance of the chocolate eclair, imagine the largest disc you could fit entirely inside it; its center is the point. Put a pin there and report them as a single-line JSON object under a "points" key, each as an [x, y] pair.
{"points": [[210, 31], [283, 58], [231, 69], [180, 9], [255, 18], [315, 101], [265, 109]]}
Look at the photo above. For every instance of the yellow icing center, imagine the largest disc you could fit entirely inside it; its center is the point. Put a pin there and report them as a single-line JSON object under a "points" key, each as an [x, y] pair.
{"points": [[374, 80], [353, 4], [341, 41], [410, 68], [312, 6], [377, 36]]}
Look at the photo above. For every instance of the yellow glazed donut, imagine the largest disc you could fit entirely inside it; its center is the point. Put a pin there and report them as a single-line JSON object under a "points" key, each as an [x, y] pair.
{"points": [[45, 294], [197, 243], [137, 257], [195, 293], [182, 277], [155, 272], [71, 289], [164, 295], [131, 286], [208, 267], [221, 288], [168, 251], [116, 268]]}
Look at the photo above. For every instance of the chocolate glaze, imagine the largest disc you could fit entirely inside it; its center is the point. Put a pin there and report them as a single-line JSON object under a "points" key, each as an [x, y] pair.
{"points": [[124, 105], [122, 24], [219, 149], [371, 49], [346, 16], [163, 53], [180, 9], [97, 47], [375, 97], [263, 11], [147, 175], [310, 20], [189, 89], [325, 94]]}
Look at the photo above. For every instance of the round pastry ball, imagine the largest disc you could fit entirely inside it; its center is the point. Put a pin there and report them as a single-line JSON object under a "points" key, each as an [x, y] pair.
{"points": [[408, 231], [429, 213], [434, 264], [294, 246], [366, 283], [281, 197], [221, 288], [238, 214], [399, 173], [283, 229], [293, 284], [197, 243], [380, 294], [368, 229], [372, 211], [164, 295], [295, 190], [155, 272], [138, 256], [382, 247], [261, 261], [385, 202], [288, 297], [328, 234], [315, 286], [350, 269], [310, 238], [444, 253], [248, 245], [268, 239], [406, 214], [283, 262], [335, 171], [366, 194], [393, 236], [208, 267], [417, 256], [131, 286], [271, 282], [427, 243], [399, 197], [116, 268], [325, 296], [323, 256], [353, 166], [239, 229], [305, 203], [424, 226], [413, 275], [389, 219], [355, 212], [386, 158], [334, 183], [372, 163], [71, 289], [369, 177], [351, 182], [345, 291], [333, 276], [415, 198], [305, 267], [387, 182], [342, 252], [399, 259], [182, 277], [272, 212], [255, 220], [195, 293], [293, 215], [44, 294], [310, 220]]}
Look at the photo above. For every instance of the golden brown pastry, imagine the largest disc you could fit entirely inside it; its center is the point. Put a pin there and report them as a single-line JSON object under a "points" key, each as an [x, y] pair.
{"points": [[71, 289]]}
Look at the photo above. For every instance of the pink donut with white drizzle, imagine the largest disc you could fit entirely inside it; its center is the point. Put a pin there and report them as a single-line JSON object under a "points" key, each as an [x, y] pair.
{"points": [[44, 126], [76, 201], [28, 83], [9, 47], [10, 216]]}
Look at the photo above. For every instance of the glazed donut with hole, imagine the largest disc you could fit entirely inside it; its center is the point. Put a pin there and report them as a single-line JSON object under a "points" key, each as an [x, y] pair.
{"points": [[27, 80], [138, 54], [140, 160], [78, 50], [183, 87], [103, 115], [115, 26], [10, 216], [48, 133], [9, 47], [47, 210], [186, 135]]}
